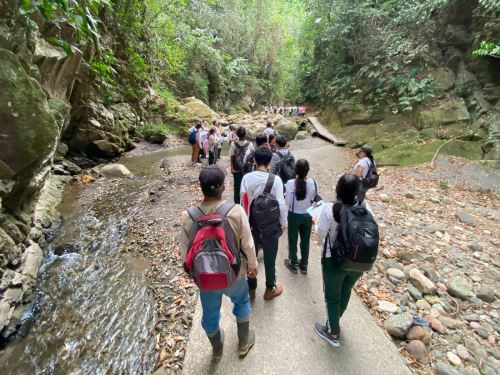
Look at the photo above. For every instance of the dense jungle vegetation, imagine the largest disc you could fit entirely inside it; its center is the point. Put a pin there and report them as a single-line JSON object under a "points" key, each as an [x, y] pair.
{"points": [[221, 51]]}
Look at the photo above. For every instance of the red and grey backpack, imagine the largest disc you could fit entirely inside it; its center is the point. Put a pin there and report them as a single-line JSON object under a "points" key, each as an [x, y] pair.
{"points": [[213, 258]]}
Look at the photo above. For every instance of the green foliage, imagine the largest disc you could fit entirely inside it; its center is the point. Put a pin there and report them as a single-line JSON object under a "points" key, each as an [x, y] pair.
{"points": [[151, 132], [491, 49], [444, 185], [103, 68]]}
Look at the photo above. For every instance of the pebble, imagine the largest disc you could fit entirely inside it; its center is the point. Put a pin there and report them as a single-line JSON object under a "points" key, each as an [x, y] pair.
{"points": [[417, 350], [398, 325], [475, 247], [385, 198], [414, 292], [437, 326], [421, 282], [466, 218], [387, 306], [419, 333], [463, 352], [394, 272], [422, 304], [475, 325], [486, 294], [454, 359], [458, 287], [445, 369]]}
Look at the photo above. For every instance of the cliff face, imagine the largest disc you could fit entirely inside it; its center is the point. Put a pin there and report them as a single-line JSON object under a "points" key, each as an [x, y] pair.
{"points": [[49, 109]]}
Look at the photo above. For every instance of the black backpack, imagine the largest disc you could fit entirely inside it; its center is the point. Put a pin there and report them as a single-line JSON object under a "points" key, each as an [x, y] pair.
{"points": [[238, 156], [249, 163], [371, 179], [265, 209], [356, 245], [286, 166]]}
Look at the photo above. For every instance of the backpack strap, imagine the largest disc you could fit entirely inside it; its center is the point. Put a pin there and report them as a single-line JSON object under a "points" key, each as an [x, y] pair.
{"points": [[281, 156], [194, 213], [269, 183], [224, 208], [315, 188]]}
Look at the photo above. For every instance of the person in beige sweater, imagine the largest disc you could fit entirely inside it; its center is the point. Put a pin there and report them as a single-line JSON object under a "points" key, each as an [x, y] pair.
{"points": [[212, 182]]}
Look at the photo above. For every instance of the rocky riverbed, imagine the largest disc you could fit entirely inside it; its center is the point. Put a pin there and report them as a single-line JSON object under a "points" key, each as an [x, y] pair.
{"points": [[435, 286]]}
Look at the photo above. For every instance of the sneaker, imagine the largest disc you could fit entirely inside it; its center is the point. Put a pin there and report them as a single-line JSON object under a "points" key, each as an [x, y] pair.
{"points": [[251, 292], [291, 267], [274, 292], [303, 269], [322, 332]]}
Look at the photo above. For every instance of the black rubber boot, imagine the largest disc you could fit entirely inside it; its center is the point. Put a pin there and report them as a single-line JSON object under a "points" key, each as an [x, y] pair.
{"points": [[246, 337], [217, 342]]}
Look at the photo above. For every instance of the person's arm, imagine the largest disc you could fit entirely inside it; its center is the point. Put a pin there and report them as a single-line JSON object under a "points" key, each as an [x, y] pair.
{"points": [[185, 234], [246, 241], [278, 187], [288, 193], [324, 222], [359, 170]]}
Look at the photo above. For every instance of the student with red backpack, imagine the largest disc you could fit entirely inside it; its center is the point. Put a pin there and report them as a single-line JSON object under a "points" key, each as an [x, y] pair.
{"points": [[218, 252], [350, 247], [237, 153]]}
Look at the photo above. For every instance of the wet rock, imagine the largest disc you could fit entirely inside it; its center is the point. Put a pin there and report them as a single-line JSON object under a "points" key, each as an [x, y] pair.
{"points": [[417, 350], [115, 171], [387, 306], [454, 359], [398, 325], [422, 283], [459, 287], [419, 333], [65, 249], [466, 218], [33, 257], [486, 294], [445, 369]]}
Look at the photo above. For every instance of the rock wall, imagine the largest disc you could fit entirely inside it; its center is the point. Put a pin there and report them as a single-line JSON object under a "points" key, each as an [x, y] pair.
{"points": [[51, 119]]}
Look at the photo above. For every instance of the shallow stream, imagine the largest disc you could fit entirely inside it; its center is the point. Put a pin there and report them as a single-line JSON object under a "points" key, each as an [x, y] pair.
{"points": [[91, 312]]}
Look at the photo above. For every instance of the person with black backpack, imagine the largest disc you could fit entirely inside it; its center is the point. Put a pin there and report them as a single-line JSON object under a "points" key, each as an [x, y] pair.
{"points": [[249, 158], [350, 247], [366, 170], [193, 138], [237, 153], [283, 161], [301, 194], [218, 253], [263, 201]]}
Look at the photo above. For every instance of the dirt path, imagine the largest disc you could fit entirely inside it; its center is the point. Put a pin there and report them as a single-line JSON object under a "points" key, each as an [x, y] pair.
{"points": [[284, 327]]}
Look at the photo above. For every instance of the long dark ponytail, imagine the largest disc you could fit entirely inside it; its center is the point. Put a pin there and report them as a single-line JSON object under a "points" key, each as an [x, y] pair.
{"points": [[301, 171]]}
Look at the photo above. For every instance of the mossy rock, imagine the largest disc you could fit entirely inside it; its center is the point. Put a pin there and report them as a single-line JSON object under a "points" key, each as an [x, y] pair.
{"points": [[193, 108], [429, 133], [448, 111], [410, 154]]}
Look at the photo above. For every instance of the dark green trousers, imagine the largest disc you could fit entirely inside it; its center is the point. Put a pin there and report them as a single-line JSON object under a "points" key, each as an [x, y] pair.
{"points": [[337, 285], [299, 224], [270, 243], [238, 176]]}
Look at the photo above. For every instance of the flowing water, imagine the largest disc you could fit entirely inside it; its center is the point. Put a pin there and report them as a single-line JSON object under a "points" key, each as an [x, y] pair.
{"points": [[92, 313]]}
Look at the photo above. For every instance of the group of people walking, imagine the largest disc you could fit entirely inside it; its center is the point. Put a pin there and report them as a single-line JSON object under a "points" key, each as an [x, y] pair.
{"points": [[206, 141], [298, 110], [273, 192]]}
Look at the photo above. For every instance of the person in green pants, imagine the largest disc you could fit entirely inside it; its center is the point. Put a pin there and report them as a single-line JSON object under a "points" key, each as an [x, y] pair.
{"points": [[301, 193], [338, 283]]}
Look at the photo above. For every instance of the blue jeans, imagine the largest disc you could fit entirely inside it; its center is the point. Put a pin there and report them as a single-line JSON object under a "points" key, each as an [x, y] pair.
{"points": [[211, 303]]}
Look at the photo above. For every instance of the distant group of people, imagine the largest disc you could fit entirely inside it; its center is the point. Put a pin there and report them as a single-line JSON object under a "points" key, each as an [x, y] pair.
{"points": [[220, 240], [206, 141], [297, 110]]}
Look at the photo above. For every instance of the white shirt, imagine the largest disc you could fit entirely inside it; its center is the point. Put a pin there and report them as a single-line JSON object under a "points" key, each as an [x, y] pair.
{"points": [[253, 185], [296, 206], [268, 132], [365, 164], [327, 226]]}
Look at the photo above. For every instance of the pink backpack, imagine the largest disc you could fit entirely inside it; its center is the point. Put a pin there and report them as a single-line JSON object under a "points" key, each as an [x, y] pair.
{"points": [[206, 145]]}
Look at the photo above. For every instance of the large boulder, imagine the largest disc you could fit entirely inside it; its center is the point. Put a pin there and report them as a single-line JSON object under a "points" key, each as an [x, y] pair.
{"points": [[195, 108], [444, 79], [446, 112], [114, 171], [57, 70], [357, 115], [284, 127], [29, 133]]}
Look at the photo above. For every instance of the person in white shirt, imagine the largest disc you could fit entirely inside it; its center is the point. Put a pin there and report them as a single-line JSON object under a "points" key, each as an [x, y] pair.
{"points": [[301, 193], [269, 129], [266, 109], [218, 135], [337, 282], [365, 155], [232, 137], [252, 185]]}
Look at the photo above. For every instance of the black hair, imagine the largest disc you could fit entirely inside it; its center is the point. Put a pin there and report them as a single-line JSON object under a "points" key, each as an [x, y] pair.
{"points": [[301, 170], [347, 190], [368, 152], [197, 126], [212, 131], [271, 137], [263, 156], [269, 124], [241, 133], [214, 122], [260, 140], [281, 140]]}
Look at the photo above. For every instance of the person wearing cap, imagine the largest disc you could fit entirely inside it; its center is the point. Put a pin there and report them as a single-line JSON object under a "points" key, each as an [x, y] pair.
{"points": [[212, 183], [365, 155]]}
